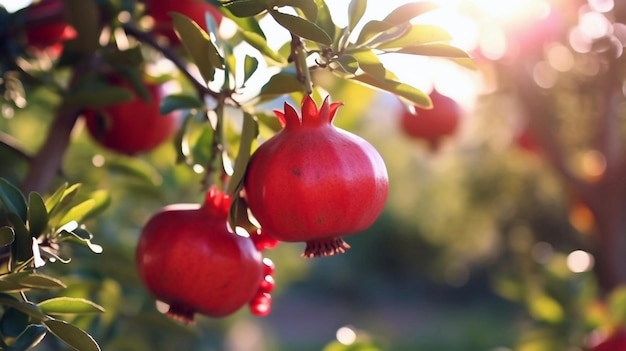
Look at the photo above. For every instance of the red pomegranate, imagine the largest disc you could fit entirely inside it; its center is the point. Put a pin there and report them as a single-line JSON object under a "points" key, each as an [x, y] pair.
{"points": [[47, 26], [434, 124], [134, 126], [195, 9], [314, 182], [188, 257]]}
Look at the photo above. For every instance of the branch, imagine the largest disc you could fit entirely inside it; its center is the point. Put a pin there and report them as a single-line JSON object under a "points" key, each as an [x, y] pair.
{"points": [[298, 56], [148, 39], [46, 164]]}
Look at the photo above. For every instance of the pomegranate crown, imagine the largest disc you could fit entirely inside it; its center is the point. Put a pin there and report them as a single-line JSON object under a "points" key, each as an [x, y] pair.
{"points": [[217, 201], [311, 116]]}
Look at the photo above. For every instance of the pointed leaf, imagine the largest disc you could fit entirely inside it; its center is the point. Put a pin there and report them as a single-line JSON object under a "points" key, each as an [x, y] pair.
{"points": [[137, 168], [73, 336], [198, 44], [102, 200], [26, 307], [96, 95], [258, 42], [78, 212], [407, 12], [38, 281], [441, 50], [281, 83], [63, 305], [408, 93], [246, 8], [250, 64], [418, 34], [29, 338], [324, 19], [13, 199], [356, 10], [373, 29], [202, 150], [302, 27], [175, 102], [249, 132], [23, 245], [53, 200], [308, 7], [369, 63], [348, 63], [37, 214], [7, 236]]}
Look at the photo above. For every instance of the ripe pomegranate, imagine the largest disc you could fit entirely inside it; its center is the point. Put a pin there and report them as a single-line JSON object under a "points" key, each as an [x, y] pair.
{"points": [[314, 182], [47, 27], [614, 342], [189, 258], [195, 9], [434, 124], [134, 126]]}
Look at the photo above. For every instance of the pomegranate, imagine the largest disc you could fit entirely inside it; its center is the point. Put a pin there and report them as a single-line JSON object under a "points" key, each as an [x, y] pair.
{"points": [[195, 9], [48, 27], [134, 126], [433, 124], [314, 182], [188, 257]]}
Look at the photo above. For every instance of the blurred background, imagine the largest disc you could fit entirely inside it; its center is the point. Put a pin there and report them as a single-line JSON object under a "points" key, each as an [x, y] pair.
{"points": [[507, 233]]}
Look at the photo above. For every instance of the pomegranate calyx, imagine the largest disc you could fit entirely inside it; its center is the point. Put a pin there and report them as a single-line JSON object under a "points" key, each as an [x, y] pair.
{"points": [[325, 247], [181, 314], [311, 116]]}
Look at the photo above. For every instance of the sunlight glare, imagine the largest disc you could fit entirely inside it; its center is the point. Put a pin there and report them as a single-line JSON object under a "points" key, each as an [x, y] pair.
{"points": [[580, 261], [346, 335]]}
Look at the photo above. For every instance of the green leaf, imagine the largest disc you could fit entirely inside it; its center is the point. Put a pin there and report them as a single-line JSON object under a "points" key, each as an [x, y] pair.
{"points": [[250, 64], [73, 336], [324, 19], [135, 167], [302, 27], [134, 76], [369, 63], [13, 199], [348, 63], [7, 236], [26, 307], [356, 10], [131, 57], [406, 92], [37, 214], [102, 200], [198, 44], [308, 7], [29, 338], [438, 49], [13, 322], [37, 281], [79, 212], [175, 102], [258, 42], [545, 308], [53, 200], [62, 305], [23, 245], [203, 148], [418, 34], [246, 8], [376, 31], [407, 12], [281, 83], [249, 132]]}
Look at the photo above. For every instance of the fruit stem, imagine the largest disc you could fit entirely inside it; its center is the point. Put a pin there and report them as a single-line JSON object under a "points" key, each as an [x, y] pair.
{"points": [[298, 54]]}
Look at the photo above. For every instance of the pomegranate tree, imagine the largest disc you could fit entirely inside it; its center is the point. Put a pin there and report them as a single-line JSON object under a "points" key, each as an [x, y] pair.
{"points": [[160, 11], [432, 125], [133, 126], [314, 182], [189, 258]]}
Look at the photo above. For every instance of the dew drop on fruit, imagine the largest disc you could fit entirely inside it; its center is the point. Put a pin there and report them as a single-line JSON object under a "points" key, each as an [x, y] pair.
{"points": [[267, 284]]}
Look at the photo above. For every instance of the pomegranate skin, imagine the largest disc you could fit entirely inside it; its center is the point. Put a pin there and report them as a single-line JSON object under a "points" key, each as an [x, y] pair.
{"points": [[132, 127], [433, 124], [188, 258], [314, 182]]}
